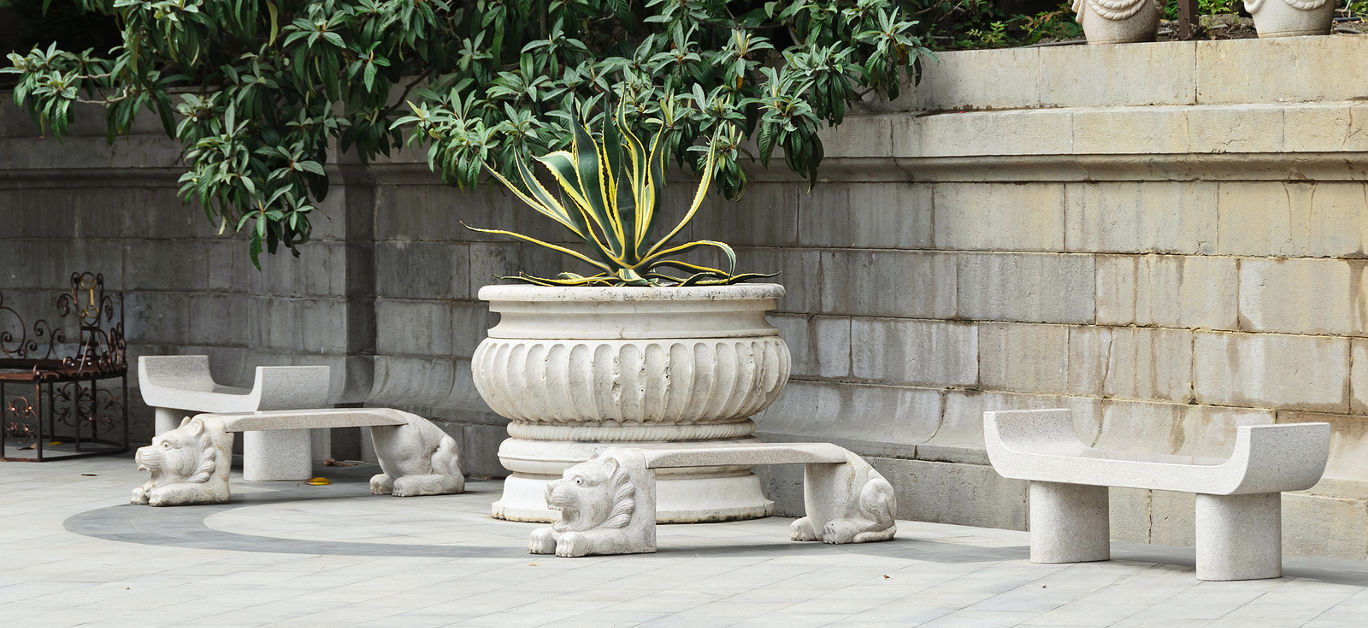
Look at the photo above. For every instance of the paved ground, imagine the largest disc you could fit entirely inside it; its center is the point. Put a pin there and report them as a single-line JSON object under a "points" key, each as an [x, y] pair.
{"points": [[76, 553]]}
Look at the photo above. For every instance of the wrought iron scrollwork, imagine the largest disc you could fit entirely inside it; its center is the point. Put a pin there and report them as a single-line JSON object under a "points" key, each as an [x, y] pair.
{"points": [[66, 388], [20, 342]]}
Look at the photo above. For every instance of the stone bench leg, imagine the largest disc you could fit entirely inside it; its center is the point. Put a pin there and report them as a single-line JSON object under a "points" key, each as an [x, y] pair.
{"points": [[607, 506], [1069, 523], [168, 419], [1239, 537], [276, 455], [845, 503]]}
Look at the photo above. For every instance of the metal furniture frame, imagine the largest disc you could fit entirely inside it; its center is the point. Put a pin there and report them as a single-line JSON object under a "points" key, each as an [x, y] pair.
{"points": [[55, 393]]}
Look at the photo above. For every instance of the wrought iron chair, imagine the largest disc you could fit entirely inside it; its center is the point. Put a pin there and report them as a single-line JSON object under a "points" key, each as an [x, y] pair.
{"points": [[60, 399]]}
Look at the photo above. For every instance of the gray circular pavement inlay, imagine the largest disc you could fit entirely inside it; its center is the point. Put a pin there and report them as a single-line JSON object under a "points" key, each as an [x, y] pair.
{"points": [[184, 526]]}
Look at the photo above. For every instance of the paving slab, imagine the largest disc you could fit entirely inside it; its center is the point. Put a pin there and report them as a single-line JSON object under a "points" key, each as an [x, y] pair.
{"points": [[288, 554]]}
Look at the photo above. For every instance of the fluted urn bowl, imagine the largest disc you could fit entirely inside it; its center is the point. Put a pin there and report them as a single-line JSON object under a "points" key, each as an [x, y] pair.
{"points": [[578, 369]]}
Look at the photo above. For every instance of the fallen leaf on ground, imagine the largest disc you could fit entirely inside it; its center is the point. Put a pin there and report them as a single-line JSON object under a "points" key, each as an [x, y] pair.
{"points": [[89, 475], [319, 481]]}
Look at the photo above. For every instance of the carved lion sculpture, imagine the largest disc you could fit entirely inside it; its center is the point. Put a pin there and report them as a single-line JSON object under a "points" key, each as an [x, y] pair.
{"points": [[846, 503], [416, 459], [189, 465], [604, 509]]}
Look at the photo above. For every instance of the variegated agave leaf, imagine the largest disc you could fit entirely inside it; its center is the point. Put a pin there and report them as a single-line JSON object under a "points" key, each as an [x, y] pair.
{"points": [[609, 188]]}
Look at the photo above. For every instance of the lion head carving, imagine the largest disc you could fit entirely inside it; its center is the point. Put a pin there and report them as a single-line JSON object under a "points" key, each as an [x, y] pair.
{"points": [[183, 455], [596, 493]]}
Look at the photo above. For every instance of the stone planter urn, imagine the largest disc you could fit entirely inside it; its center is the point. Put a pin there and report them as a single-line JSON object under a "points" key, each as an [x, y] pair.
{"points": [[1288, 18], [579, 369], [1118, 21]]}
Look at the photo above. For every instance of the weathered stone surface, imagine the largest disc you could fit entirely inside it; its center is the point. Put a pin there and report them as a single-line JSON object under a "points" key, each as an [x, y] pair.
{"points": [[948, 81], [1293, 372], [1295, 219], [1030, 358], [1103, 76], [1348, 447], [1217, 62], [1358, 376], [819, 345], [925, 285], [865, 136], [410, 381], [428, 328], [1172, 518], [1130, 130], [1236, 128], [977, 216], [1311, 126], [766, 216], [1321, 525], [1178, 429], [804, 273], [1170, 291], [901, 351], [967, 494], [1026, 287], [884, 421], [1021, 132], [479, 448], [893, 215], [1299, 296], [218, 318], [1141, 217], [1130, 363], [1129, 514], [960, 436], [421, 270]]}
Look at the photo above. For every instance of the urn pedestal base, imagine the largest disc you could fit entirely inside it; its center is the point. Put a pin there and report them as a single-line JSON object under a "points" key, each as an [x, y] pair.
{"points": [[683, 495]]}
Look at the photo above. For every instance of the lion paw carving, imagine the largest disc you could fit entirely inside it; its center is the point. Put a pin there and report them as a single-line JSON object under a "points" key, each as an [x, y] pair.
{"points": [[846, 503], [416, 459], [606, 507], [188, 465]]}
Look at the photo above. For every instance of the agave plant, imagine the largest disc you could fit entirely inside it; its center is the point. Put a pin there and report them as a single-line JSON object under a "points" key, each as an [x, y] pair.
{"points": [[609, 191]]}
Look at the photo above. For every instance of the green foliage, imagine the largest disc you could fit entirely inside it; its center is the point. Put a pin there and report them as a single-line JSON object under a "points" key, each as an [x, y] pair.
{"points": [[258, 91], [974, 24], [610, 187]]}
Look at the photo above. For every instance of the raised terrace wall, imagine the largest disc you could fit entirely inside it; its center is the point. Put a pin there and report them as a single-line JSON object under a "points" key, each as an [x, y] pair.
{"points": [[1167, 238]]}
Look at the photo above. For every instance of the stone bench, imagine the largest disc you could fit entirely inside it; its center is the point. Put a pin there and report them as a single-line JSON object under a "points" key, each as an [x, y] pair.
{"points": [[1239, 502], [189, 464], [177, 386], [608, 503]]}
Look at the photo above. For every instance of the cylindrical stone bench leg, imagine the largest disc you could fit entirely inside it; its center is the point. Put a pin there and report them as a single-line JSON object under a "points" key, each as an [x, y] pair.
{"points": [[1069, 523], [276, 455], [169, 419], [1239, 537]]}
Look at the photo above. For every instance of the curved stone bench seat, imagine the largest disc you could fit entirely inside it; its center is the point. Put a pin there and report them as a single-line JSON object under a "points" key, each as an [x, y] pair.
{"points": [[1238, 498], [608, 503], [177, 386]]}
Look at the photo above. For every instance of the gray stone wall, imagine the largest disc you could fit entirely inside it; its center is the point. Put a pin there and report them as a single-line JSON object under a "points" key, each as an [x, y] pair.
{"points": [[1155, 236]]}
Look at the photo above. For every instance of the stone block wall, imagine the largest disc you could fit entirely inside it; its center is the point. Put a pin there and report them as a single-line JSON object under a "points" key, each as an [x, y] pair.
{"points": [[1129, 232], [1152, 235]]}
